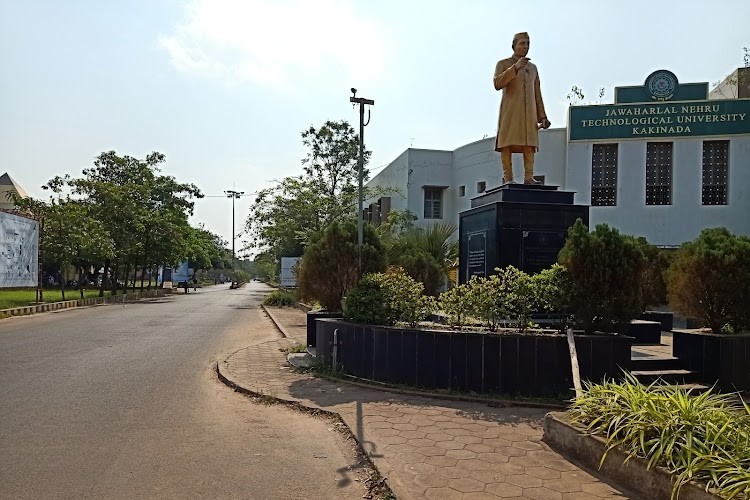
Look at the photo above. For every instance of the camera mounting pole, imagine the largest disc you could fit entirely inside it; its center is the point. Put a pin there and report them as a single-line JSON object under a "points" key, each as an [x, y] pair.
{"points": [[362, 124]]}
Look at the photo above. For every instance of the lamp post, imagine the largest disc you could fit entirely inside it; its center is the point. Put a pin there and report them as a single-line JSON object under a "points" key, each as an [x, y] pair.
{"points": [[234, 195], [362, 102]]}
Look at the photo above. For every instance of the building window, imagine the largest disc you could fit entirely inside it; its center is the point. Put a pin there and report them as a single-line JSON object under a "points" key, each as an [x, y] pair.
{"points": [[659, 173], [604, 175], [715, 172], [461, 191], [481, 186], [433, 203]]}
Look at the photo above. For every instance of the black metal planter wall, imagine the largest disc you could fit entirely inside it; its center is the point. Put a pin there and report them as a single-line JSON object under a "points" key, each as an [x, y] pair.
{"points": [[529, 364], [723, 360]]}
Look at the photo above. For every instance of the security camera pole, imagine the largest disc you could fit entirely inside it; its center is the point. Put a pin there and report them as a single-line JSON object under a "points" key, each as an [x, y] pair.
{"points": [[362, 102]]}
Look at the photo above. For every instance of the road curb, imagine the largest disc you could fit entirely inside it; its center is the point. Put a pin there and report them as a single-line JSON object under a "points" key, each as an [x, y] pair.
{"points": [[276, 323], [75, 303], [377, 480]]}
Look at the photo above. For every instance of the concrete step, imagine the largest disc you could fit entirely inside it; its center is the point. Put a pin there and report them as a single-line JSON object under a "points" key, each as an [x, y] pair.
{"points": [[650, 363], [678, 376]]}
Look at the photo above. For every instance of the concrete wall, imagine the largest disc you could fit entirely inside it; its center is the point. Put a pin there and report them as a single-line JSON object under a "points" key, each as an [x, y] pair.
{"points": [[686, 217]]}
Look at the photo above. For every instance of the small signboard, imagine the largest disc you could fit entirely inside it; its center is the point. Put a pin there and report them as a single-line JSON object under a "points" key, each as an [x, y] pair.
{"points": [[288, 275]]}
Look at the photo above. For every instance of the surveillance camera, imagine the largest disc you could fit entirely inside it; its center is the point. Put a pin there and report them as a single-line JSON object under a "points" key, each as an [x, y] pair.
{"points": [[354, 91]]}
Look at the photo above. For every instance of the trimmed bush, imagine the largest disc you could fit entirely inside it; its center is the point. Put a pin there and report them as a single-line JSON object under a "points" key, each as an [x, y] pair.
{"points": [[457, 304], [279, 298], [399, 297], [654, 273], [709, 279], [606, 273], [366, 303], [552, 289]]}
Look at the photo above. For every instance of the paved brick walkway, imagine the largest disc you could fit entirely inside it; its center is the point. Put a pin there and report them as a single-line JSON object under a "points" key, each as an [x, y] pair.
{"points": [[426, 447]]}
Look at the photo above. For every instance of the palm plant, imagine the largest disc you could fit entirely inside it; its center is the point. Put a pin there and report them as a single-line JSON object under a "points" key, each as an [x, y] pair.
{"points": [[426, 253]]}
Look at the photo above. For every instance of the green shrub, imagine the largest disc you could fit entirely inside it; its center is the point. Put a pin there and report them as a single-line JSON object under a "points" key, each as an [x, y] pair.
{"points": [[365, 303], [654, 280], [704, 438], [456, 303], [606, 273], [552, 289], [279, 298], [329, 267], [709, 279], [398, 299]]}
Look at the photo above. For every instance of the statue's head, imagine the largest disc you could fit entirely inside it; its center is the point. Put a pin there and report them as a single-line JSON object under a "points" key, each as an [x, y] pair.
{"points": [[521, 44]]}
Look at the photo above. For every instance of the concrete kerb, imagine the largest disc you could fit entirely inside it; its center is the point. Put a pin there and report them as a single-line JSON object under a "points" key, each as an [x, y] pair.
{"points": [[377, 483], [570, 440], [279, 326], [68, 304]]}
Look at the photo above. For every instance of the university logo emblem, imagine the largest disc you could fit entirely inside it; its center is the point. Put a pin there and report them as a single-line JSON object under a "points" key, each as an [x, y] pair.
{"points": [[661, 84]]}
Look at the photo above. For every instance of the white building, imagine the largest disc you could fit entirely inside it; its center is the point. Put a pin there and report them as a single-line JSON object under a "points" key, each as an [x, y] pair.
{"points": [[664, 161]]}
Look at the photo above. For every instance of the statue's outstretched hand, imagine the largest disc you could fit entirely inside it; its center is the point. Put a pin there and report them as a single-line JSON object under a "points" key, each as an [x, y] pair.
{"points": [[521, 63]]}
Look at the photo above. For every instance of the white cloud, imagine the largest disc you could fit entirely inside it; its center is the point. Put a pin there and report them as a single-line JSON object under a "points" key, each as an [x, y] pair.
{"points": [[275, 42]]}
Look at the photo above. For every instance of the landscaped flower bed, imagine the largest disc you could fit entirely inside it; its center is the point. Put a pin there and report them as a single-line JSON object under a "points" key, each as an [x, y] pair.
{"points": [[505, 362], [704, 438]]}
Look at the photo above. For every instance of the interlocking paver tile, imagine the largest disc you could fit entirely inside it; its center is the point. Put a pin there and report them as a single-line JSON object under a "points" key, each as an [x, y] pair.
{"points": [[467, 485], [450, 445], [460, 454], [443, 494], [428, 448], [504, 490], [563, 485], [524, 481], [541, 494]]}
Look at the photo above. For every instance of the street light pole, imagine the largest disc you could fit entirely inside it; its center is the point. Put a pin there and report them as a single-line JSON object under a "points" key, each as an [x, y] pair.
{"points": [[360, 231], [234, 195]]}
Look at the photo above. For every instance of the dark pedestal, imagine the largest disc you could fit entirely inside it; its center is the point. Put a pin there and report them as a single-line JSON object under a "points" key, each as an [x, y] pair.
{"points": [[515, 224]]}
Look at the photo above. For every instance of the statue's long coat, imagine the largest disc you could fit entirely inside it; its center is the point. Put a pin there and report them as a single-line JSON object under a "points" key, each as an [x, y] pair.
{"points": [[521, 109]]}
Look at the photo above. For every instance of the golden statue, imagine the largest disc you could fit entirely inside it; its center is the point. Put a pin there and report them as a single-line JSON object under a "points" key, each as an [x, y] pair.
{"points": [[521, 109]]}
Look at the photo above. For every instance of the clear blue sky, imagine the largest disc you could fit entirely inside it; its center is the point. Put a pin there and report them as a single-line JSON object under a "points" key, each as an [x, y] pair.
{"points": [[224, 87]]}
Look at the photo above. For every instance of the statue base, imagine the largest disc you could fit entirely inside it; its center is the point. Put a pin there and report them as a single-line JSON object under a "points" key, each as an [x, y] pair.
{"points": [[523, 225]]}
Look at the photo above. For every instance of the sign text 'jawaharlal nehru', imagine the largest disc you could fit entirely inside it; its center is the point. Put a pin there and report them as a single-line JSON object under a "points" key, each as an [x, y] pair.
{"points": [[668, 119]]}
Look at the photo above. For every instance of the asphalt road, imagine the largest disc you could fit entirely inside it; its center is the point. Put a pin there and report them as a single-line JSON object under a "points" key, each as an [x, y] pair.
{"points": [[122, 401]]}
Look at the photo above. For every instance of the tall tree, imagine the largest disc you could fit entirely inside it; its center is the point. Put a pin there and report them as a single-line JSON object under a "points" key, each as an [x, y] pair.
{"points": [[285, 216]]}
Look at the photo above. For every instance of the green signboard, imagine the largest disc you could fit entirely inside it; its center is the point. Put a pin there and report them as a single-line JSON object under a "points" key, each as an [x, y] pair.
{"points": [[660, 119]]}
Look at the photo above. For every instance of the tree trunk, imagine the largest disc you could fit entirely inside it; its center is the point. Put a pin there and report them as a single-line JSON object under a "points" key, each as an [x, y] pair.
{"points": [[115, 274], [143, 272], [62, 281], [105, 283], [80, 281]]}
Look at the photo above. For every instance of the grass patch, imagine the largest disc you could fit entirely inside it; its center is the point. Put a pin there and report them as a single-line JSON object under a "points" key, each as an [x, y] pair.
{"points": [[702, 437], [22, 298], [279, 298]]}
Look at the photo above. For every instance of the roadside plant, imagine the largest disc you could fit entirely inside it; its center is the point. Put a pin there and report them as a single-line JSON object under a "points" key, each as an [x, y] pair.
{"points": [[704, 437], [488, 301], [279, 298], [552, 288], [709, 279], [329, 269], [366, 303], [456, 303], [606, 272], [388, 298], [520, 295]]}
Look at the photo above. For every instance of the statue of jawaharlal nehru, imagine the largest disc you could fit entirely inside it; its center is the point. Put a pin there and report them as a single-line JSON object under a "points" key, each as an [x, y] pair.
{"points": [[522, 111]]}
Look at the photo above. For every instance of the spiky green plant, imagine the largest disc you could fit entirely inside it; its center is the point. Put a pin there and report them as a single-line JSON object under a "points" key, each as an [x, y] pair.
{"points": [[703, 437]]}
